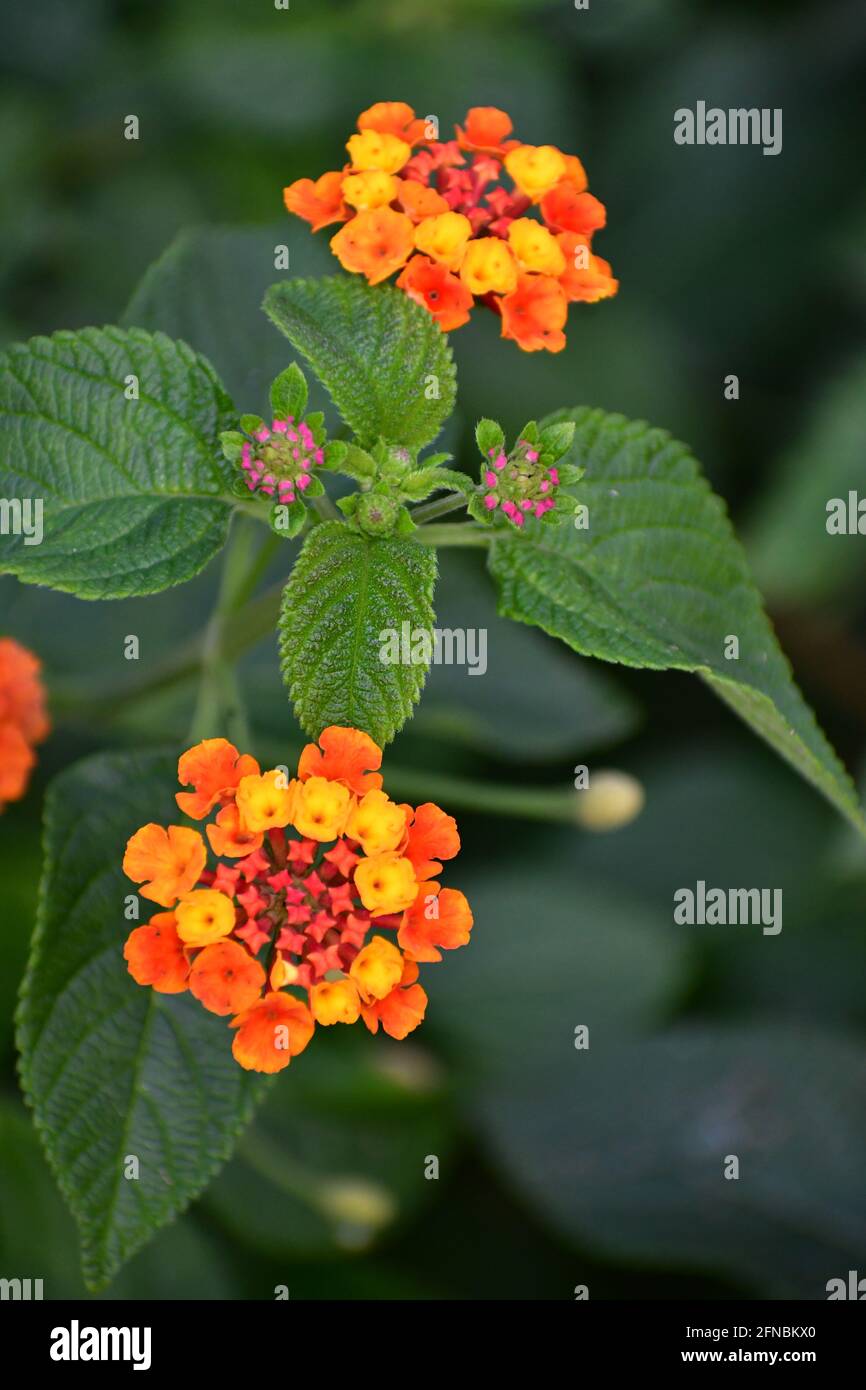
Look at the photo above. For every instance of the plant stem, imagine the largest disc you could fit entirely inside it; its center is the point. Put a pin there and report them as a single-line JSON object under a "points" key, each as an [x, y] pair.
{"points": [[438, 507], [461, 533]]}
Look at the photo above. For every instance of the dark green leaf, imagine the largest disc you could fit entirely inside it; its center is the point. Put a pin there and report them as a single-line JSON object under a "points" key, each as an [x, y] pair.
{"points": [[110, 1068], [345, 591], [385, 362], [133, 490], [659, 580]]}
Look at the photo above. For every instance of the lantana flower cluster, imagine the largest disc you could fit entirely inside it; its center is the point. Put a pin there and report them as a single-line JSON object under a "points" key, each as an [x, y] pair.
{"points": [[279, 460], [529, 480], [23, 717], [456, 219], [322, 903]]}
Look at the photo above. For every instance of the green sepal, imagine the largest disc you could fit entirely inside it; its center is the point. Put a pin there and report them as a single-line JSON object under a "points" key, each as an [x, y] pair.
{"points": [[334, 455], [315, 487], [405, 525], [251, 423], [232, 442], [489, 435], [348, 505], [288, 519], [557, 439]]}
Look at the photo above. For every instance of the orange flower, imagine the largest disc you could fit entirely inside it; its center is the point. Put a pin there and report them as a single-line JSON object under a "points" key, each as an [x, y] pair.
{"points": [[22, 694], [486, 131], [309, 869], [23, 717], [587, 278], [155, 955], [230, 837], [418, 201], [401, 1010], [214, 767], [225, 978], [438, 917], [432, 836], [566, 210], [172, 860], [442, 294], [319, 202], [535, 314], [343, 755], [393, 118], [16, 762], [375, 243], [484, 207], [271, 1032]]}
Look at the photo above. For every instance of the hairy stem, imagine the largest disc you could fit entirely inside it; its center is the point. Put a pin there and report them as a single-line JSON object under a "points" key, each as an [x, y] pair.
{"points": [[438, 507]]}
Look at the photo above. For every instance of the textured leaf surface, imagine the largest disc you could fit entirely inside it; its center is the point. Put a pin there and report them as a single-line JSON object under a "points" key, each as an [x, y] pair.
{"points": [[345, 590], [132, 490], [380, 355], [112, 1069], [658, 579]]}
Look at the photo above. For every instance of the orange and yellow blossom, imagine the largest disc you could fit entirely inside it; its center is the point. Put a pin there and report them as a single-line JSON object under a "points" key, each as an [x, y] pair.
{"points": [[440, 215], [320, 904], [23, 717]]}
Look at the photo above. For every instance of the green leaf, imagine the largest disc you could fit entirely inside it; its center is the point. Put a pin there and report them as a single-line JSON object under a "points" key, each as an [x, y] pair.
{"points": [[289, 394], [110, 1068], [346, 589], [379, 355], [659, 580], [133, 491]]}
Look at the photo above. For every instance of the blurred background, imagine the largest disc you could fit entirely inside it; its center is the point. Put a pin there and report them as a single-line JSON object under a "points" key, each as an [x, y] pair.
{"points": [[557, 1167]]}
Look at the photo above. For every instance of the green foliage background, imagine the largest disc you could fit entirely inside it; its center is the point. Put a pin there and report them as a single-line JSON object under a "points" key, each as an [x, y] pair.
{"points": [[556, 1168]]}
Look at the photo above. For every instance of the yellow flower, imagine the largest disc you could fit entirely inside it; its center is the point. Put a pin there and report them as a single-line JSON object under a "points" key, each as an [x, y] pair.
{"points": [[203, 916], [321, 807], [489, 267], [444, 237], [536, 168], [376, 823], [335, 1001], [371, 189], [377, 969], [266, 801], [535, 247], [386, 883], [373, 150]]}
